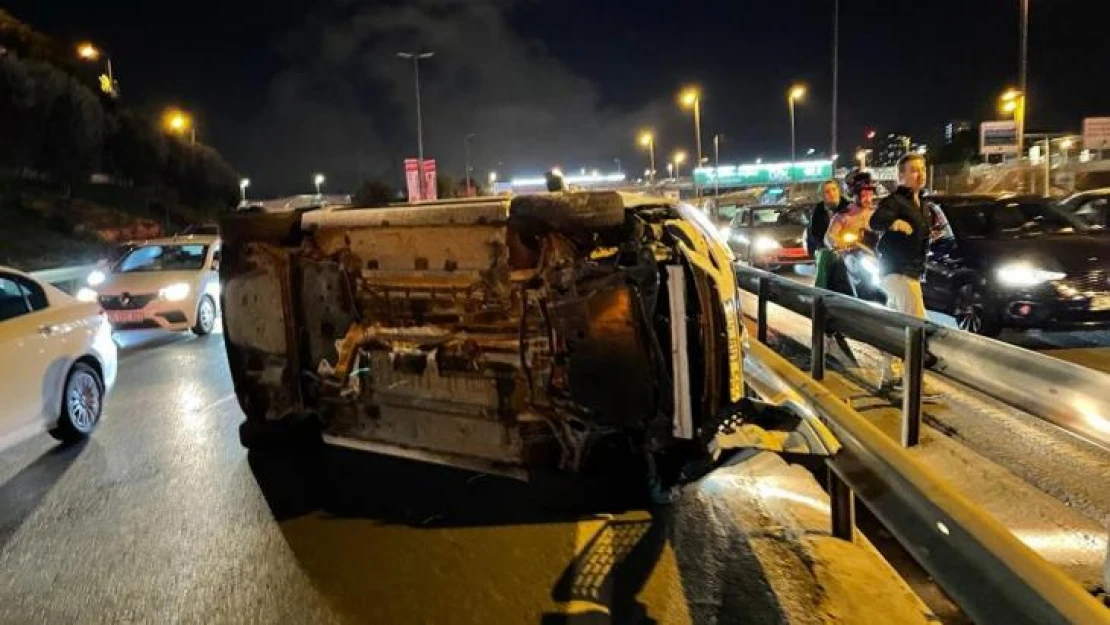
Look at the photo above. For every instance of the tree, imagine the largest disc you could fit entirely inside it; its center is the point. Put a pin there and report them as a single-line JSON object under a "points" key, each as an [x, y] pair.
{"points": [[374, 193]]}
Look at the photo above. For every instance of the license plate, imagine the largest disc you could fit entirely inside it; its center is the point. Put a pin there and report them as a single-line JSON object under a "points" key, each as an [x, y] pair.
{"points": [[1100, 302], [793, 252], [125, 316]]}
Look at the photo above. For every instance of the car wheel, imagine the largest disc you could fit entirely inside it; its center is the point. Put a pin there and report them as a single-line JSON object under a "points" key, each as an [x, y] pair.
{"points": [[82, 403], [971, 316], [206, 316]]}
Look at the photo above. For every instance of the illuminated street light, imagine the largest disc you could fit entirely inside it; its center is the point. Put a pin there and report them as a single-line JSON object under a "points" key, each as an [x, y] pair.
{"points": [[797, 92], [678, 159], [691, 98], [1012, 102], [416, 57], [647, 139], [811, 151], [88, 52], [178, 122], [492, 178], [243, 184], [318, 180]]}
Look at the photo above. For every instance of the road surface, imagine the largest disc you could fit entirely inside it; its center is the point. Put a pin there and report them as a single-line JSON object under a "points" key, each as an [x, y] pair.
{"points": [[160, 518]]}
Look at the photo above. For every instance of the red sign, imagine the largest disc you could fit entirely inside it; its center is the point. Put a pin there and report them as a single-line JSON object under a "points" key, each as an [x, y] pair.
{"points": [[429, 171], [412, 179]]}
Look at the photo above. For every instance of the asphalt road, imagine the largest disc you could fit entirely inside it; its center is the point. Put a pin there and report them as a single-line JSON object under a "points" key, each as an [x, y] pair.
{"points": [[162, 517]]}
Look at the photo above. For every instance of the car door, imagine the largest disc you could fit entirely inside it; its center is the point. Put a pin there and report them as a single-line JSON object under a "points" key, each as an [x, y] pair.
{"points": [[944, 259], [28, 353]]}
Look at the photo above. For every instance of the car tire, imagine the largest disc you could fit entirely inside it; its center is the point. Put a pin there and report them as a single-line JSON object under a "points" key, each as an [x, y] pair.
{"points": [[206, 316], [82, 404], [971, 314], [566, 213]]}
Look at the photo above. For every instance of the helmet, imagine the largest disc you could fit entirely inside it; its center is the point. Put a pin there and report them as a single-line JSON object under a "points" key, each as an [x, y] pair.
{"points": [[858, 180]]}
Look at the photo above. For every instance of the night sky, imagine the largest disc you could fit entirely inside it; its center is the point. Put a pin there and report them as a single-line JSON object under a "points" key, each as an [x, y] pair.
{"points": [[284, 88]]}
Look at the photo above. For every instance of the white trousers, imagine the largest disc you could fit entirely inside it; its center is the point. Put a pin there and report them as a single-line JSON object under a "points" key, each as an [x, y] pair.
{"points": [[904, 296]]}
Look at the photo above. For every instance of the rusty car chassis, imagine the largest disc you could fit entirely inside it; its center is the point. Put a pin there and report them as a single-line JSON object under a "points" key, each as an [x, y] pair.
{"points": [[499, 335]]}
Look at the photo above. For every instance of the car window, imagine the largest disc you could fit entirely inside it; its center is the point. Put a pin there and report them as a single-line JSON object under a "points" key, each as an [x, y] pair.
{"points": [[188, 257], [969, 221], [743, 218], [1010, 218], [781, 217], [1093, 212], [14, 300]]}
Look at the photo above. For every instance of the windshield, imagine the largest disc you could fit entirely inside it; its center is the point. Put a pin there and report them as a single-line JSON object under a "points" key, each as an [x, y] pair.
{"points": [[164, 258], [1012, 219], [780, 217]]}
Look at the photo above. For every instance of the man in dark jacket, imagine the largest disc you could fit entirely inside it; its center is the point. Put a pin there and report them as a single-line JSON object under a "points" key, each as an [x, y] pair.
{"points": [[831, 203], [831, 273], [906, 222]]}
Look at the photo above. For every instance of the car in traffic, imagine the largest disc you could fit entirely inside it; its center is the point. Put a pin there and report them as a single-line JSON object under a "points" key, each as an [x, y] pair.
{"points": [[170, 283], [770, 236], [1091, 207], [542, 332], [1017, 262], [59, 361]]}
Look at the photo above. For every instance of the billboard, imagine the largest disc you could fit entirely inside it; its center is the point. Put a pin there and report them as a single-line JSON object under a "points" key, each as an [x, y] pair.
{"points": [[999, 137], [417, 172], [764, 173], [429, 173], [412, 179], [1096, 133]]}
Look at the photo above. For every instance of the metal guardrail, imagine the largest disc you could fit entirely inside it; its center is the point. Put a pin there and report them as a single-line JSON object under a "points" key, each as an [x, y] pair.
{"points": [[68, 279], [991, 575], [1070, 396]]}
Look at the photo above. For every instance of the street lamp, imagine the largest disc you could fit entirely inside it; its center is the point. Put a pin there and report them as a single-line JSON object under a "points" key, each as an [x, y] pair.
{"points": [[797, 92], [678, 159], [691, 98], [179, 122], [1012, 102], [466, 146], [416, 57], [243, 184], [492, 178], [88, 52], [318, 180], [648, 141], [717, 164]]}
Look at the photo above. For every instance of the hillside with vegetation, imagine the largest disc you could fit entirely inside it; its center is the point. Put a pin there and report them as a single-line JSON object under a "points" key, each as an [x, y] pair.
{"points": [[79, 169]]}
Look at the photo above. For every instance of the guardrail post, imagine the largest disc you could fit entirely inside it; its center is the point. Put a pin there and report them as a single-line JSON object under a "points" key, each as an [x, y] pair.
{"points": [[761, 313], [842, 508], [913, 371], [817, 339]]}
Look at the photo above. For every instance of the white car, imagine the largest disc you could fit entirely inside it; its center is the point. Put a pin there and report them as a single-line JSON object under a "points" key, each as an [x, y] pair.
{"points": [[57, 357], [169, 283]]}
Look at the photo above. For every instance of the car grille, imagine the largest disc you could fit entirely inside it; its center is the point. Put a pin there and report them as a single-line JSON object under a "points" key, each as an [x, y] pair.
{"points": [[125, 301], [1095, 281]]}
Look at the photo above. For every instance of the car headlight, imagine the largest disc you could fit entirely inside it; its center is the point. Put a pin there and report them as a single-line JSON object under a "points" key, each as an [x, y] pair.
{"points": [[870, 265], [174, 292], [1025, 274], [765, 244], [96, 278], [85, 294]]}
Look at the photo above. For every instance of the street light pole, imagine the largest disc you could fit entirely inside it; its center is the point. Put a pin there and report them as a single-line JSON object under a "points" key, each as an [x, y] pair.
{"points": [[416, 57], [466, 146], [793, 151], [835, 74], [716, 165], [647, 139], [1022, 78]]}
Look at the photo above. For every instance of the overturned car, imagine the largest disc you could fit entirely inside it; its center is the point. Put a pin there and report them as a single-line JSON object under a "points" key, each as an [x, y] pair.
{"points": [[500, 335]]}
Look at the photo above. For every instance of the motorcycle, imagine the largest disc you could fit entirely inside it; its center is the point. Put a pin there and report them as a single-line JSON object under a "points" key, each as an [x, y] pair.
{"points": [[857, 252]]}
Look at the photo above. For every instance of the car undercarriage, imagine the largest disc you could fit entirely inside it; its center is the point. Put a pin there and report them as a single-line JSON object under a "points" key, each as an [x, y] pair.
{"points": [[498, 336]]}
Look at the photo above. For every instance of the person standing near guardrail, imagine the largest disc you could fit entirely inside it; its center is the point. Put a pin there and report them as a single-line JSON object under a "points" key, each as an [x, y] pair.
{"points": [[828, 272], [905, 222]]}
